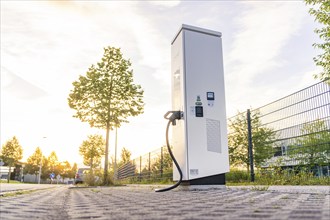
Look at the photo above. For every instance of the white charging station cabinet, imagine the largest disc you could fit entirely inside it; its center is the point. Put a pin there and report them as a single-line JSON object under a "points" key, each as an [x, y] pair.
{"points": [[199, 139]]}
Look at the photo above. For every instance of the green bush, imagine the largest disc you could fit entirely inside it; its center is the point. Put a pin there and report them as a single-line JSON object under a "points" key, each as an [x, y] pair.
{"points": [[237, 176], [289, 177], [92, 179]]}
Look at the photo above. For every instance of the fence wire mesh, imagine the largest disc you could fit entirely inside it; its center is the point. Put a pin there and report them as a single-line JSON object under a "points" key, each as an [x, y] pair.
{"points": [[155, 166], [301, 124]]}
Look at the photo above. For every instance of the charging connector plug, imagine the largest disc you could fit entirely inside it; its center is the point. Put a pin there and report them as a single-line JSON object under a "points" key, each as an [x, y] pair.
{"points": [[172, 116]]}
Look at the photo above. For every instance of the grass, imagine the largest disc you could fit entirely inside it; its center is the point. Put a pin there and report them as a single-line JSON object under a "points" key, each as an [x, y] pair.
{"points": [[275, 177], [147, 180], [10, 181], [17, 193], [236, 177], [259, 188], [95, 190]]}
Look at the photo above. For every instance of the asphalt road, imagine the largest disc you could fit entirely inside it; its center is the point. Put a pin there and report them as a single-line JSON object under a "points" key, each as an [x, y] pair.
{"points": [[136, 202]]}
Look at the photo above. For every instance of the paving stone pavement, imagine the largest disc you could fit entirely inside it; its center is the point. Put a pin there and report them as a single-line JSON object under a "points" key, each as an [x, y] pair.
{"points": [[143, 203]]}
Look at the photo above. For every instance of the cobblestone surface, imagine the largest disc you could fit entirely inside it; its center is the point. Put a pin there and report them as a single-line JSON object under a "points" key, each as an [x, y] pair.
{"points": [[143, 203]]}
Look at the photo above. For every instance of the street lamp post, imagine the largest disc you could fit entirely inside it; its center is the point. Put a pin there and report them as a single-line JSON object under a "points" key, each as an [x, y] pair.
{"points": [[115, 164]]}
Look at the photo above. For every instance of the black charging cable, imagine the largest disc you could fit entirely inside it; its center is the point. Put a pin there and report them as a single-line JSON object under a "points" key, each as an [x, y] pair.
{"points": [[175, 115]]}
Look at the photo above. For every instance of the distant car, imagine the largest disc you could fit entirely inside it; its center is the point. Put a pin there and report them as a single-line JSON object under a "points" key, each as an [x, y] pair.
{"points": [[79, 177]]}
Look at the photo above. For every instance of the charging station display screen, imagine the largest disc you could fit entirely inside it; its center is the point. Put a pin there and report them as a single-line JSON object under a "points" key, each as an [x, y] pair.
{"points": [[210, 95]]}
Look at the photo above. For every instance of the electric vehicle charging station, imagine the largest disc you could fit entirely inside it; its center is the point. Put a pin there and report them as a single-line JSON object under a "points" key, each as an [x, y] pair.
{"points": [[199, 139]]}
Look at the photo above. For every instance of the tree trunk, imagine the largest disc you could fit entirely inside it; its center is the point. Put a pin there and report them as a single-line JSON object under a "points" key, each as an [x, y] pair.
{"points": [[91, 166], [105, 178], [9, 172], [115, 164]]}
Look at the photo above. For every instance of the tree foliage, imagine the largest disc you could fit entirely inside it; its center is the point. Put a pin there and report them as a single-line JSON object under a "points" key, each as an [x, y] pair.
{"points": [[73, 171], [65, 170], [33, 162], [53, 163], [262, 140], [92, 150], [11, 153], [126, 167], [125, 156], [54, 166], [49, 165], [163, 162], [106, 96], [321, 11]]}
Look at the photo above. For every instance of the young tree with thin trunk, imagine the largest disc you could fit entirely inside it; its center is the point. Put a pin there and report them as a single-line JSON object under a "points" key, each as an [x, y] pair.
{"points": [[106, 96], [126, 166], [92, 151], [53, 163], [34, 162], [73, 170], [125, 156], [11, 153], [262, 140]]}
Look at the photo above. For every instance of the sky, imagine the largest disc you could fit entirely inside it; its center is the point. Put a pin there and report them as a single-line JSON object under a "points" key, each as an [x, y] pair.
{"points": [[46, 45]]}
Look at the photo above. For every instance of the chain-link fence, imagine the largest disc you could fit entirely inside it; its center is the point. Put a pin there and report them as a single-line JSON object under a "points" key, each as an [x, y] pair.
{"points": [[155, 166], [286, 136]]}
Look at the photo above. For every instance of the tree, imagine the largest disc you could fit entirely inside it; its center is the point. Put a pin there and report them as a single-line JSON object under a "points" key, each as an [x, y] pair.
{"points": [[66, 170], [45, 169], [92, 151], [163, 164], [313, 147], [73, 170], [262, 140], [34, 162], [126, 167], [321, 11], [125, 156], [107, 96], [11, 153], [53, 163]]}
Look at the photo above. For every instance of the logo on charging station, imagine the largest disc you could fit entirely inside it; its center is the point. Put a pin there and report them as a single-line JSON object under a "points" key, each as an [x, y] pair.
{"points": [[198, 100]]}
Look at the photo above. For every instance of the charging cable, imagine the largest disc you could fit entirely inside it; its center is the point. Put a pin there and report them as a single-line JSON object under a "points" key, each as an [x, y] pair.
{"points": [[175, 115]]}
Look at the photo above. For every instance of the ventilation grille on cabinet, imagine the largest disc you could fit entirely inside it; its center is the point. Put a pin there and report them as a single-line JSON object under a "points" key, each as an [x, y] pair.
{"points": [[213, 135]]}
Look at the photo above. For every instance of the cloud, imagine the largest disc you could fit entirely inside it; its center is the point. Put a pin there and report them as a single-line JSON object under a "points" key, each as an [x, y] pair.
{"points": [[153, 47], [168, 4], [20, 88], [265, 29]]}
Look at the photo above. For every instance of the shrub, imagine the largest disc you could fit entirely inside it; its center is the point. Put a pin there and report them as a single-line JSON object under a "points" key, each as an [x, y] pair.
{"points": [[237, 176], [92, 179]]}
